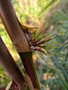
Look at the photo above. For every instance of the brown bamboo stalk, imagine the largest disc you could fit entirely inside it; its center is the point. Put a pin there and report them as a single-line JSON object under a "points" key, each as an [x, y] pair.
{"points": [[11, 24], [10, 66]]}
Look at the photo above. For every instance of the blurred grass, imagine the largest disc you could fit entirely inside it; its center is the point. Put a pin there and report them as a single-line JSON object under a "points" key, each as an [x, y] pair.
{"points": [[52, 69], [4, 78]]}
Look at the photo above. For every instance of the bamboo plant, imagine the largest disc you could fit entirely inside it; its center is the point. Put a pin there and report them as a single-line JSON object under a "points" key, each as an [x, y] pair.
{"points": [[25, 45]]}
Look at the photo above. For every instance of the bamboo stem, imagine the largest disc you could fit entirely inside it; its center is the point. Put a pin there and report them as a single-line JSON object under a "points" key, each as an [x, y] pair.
{"points": [[11, 24], [30, 68], [10, 66]]}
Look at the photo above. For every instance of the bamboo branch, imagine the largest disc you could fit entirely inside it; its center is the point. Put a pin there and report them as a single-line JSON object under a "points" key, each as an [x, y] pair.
{"points": [[30, 68], [11, 24], [10, 66]]}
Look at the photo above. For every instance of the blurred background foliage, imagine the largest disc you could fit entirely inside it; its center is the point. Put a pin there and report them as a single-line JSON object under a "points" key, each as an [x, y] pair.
{"points": [[50, 16]]}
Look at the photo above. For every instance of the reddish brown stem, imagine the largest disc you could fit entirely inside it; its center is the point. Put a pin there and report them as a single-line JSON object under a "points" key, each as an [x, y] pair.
{"points": [[10, 66], [11, 24]]}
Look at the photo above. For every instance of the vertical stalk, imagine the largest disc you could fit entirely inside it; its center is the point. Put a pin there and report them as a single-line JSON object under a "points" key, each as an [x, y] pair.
{"points": [[30, 68]]}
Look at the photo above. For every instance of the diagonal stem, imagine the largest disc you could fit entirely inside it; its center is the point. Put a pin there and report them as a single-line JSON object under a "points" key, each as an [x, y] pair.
{"points": [[10, 66], [10, 22]]}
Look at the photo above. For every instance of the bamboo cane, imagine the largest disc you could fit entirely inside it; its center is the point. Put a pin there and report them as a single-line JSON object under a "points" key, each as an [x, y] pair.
{"points": [[11, 24], [10, 66]]}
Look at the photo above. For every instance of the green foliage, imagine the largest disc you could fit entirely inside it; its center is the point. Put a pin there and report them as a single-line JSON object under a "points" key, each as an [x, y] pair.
{"points": [[56, 63], [4, 78]]}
